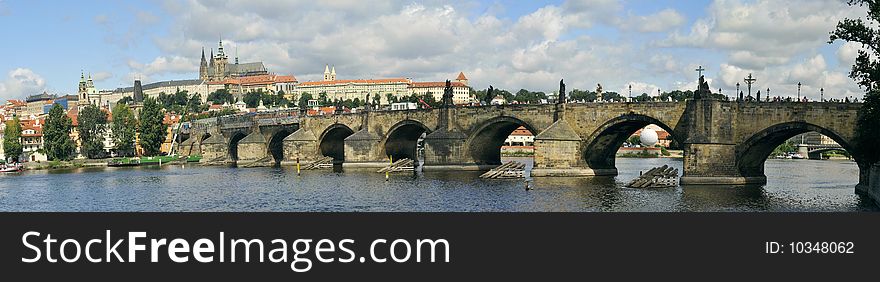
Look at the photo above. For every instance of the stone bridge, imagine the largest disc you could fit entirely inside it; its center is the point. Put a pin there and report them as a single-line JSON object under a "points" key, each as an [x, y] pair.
{"points": [[724, 142]]}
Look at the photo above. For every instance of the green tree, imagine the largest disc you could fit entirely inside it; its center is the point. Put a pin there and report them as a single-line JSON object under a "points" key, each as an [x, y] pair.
{"points": [[322, 99], [304, 100], [220, 96], [194, 105], [152, 130], [12, 139], [252, 99], [56, 135], [92, 123], [123, 129], [377, 99], [866, 72], [125, 100]]}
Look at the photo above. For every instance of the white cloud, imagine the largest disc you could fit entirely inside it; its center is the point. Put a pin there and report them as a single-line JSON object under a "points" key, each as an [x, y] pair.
{"points": [[434, 40], [763, 33], [848, 52], [21, 82], [101, 76], [165, 65], [661, 21]]}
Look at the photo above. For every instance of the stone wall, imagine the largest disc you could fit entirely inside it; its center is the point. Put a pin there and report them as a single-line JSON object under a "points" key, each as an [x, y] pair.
{"points": [[874, 183]]}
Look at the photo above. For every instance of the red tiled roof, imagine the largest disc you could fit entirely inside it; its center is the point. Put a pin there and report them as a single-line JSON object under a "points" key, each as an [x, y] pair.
{"points": [[435, 84], [461, 76], [521, 131], [257, 80], [355, 81], [73, 113]]}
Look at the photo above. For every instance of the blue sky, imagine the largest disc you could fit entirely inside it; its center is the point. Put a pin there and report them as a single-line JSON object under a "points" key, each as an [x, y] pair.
{"points": [[508, 44]]}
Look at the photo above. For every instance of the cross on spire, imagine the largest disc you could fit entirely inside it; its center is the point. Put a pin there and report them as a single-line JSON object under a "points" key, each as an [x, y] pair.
{"points": [[700, 70]]}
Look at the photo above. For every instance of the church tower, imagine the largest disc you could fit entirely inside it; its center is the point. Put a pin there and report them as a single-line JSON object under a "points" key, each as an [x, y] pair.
{"points": [[327, 73], [220, 62], [212, 71], [86, 91], [333, 74], [203, 67]]}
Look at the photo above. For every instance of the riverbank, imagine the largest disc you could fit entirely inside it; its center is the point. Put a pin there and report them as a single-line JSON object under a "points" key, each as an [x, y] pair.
{"points": [[135, 161]]}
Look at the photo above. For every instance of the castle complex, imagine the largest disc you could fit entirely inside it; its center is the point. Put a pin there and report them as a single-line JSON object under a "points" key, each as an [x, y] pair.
{"points": [[218, 68]]}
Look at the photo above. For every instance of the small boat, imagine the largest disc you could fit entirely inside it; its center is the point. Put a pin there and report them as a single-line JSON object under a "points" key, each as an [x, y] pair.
{"points": [[11, 168], [121, 162]]}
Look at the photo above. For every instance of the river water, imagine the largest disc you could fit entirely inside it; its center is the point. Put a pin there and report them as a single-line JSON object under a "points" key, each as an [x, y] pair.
{"points": [[793, 185]]}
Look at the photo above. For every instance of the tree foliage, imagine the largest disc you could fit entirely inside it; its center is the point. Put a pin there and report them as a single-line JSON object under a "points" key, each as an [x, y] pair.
{"points": [[152, 130], [304, 100], [56, 135], [92, 123], [866, 73], [220, 96], [123, 129], [12, 139]]}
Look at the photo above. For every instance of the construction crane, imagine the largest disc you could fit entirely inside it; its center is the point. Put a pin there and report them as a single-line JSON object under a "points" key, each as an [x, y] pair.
{"points": [[424, 104]]}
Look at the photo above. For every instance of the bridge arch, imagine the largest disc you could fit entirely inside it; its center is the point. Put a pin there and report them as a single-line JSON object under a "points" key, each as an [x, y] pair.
{"points": [[601, 150], [332, 141], [402, 139], [753, 153], [233, 144], [484, 144], [276, 144]]}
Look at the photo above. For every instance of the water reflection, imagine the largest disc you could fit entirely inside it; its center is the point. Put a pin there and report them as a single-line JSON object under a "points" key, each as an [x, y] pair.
{"points": [[799, 185]]}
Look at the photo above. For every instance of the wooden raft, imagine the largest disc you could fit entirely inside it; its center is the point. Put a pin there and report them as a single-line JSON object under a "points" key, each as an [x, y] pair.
{"points": [[322, 163], [399, 166], [658, 177], [506, 171]]}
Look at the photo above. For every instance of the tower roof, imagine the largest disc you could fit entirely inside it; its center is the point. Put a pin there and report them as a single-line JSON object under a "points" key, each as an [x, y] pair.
{"points": [[326, 68], [333, 72], [461, 76]]}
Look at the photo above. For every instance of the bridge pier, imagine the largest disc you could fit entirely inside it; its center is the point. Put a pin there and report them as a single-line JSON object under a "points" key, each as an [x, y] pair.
{"points": [[714, 164], [301, 144], [869, 182], [447, 150], [557, 154], [363, 150], [253, 150], [710, 156], [215, 150]]}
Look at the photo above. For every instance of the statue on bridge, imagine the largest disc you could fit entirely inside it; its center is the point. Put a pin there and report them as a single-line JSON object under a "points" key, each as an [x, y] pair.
{"points": [[338, 106], [490, 94], [368, 104], [703, 90], [561, 97], [599, 92], [447, 95]]}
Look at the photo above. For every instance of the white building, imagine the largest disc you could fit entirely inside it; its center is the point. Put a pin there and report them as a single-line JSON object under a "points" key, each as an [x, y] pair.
{"points": [[397, 87]]}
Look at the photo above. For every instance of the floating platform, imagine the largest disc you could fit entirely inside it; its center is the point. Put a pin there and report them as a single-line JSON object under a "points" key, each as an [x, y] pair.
{"points": [[658, 177], [508, 170]]}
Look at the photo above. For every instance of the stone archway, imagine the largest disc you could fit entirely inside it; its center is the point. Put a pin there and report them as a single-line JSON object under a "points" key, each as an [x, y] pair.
{"points": [[402, 139], [332, 141], [601, 151], [753, 153], [484, 145]]}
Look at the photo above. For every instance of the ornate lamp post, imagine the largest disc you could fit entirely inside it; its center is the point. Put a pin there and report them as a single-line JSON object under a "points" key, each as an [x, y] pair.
{"points": [[768, 94], [630, 92], [737, 92], [822, 94], [799, 91]]}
